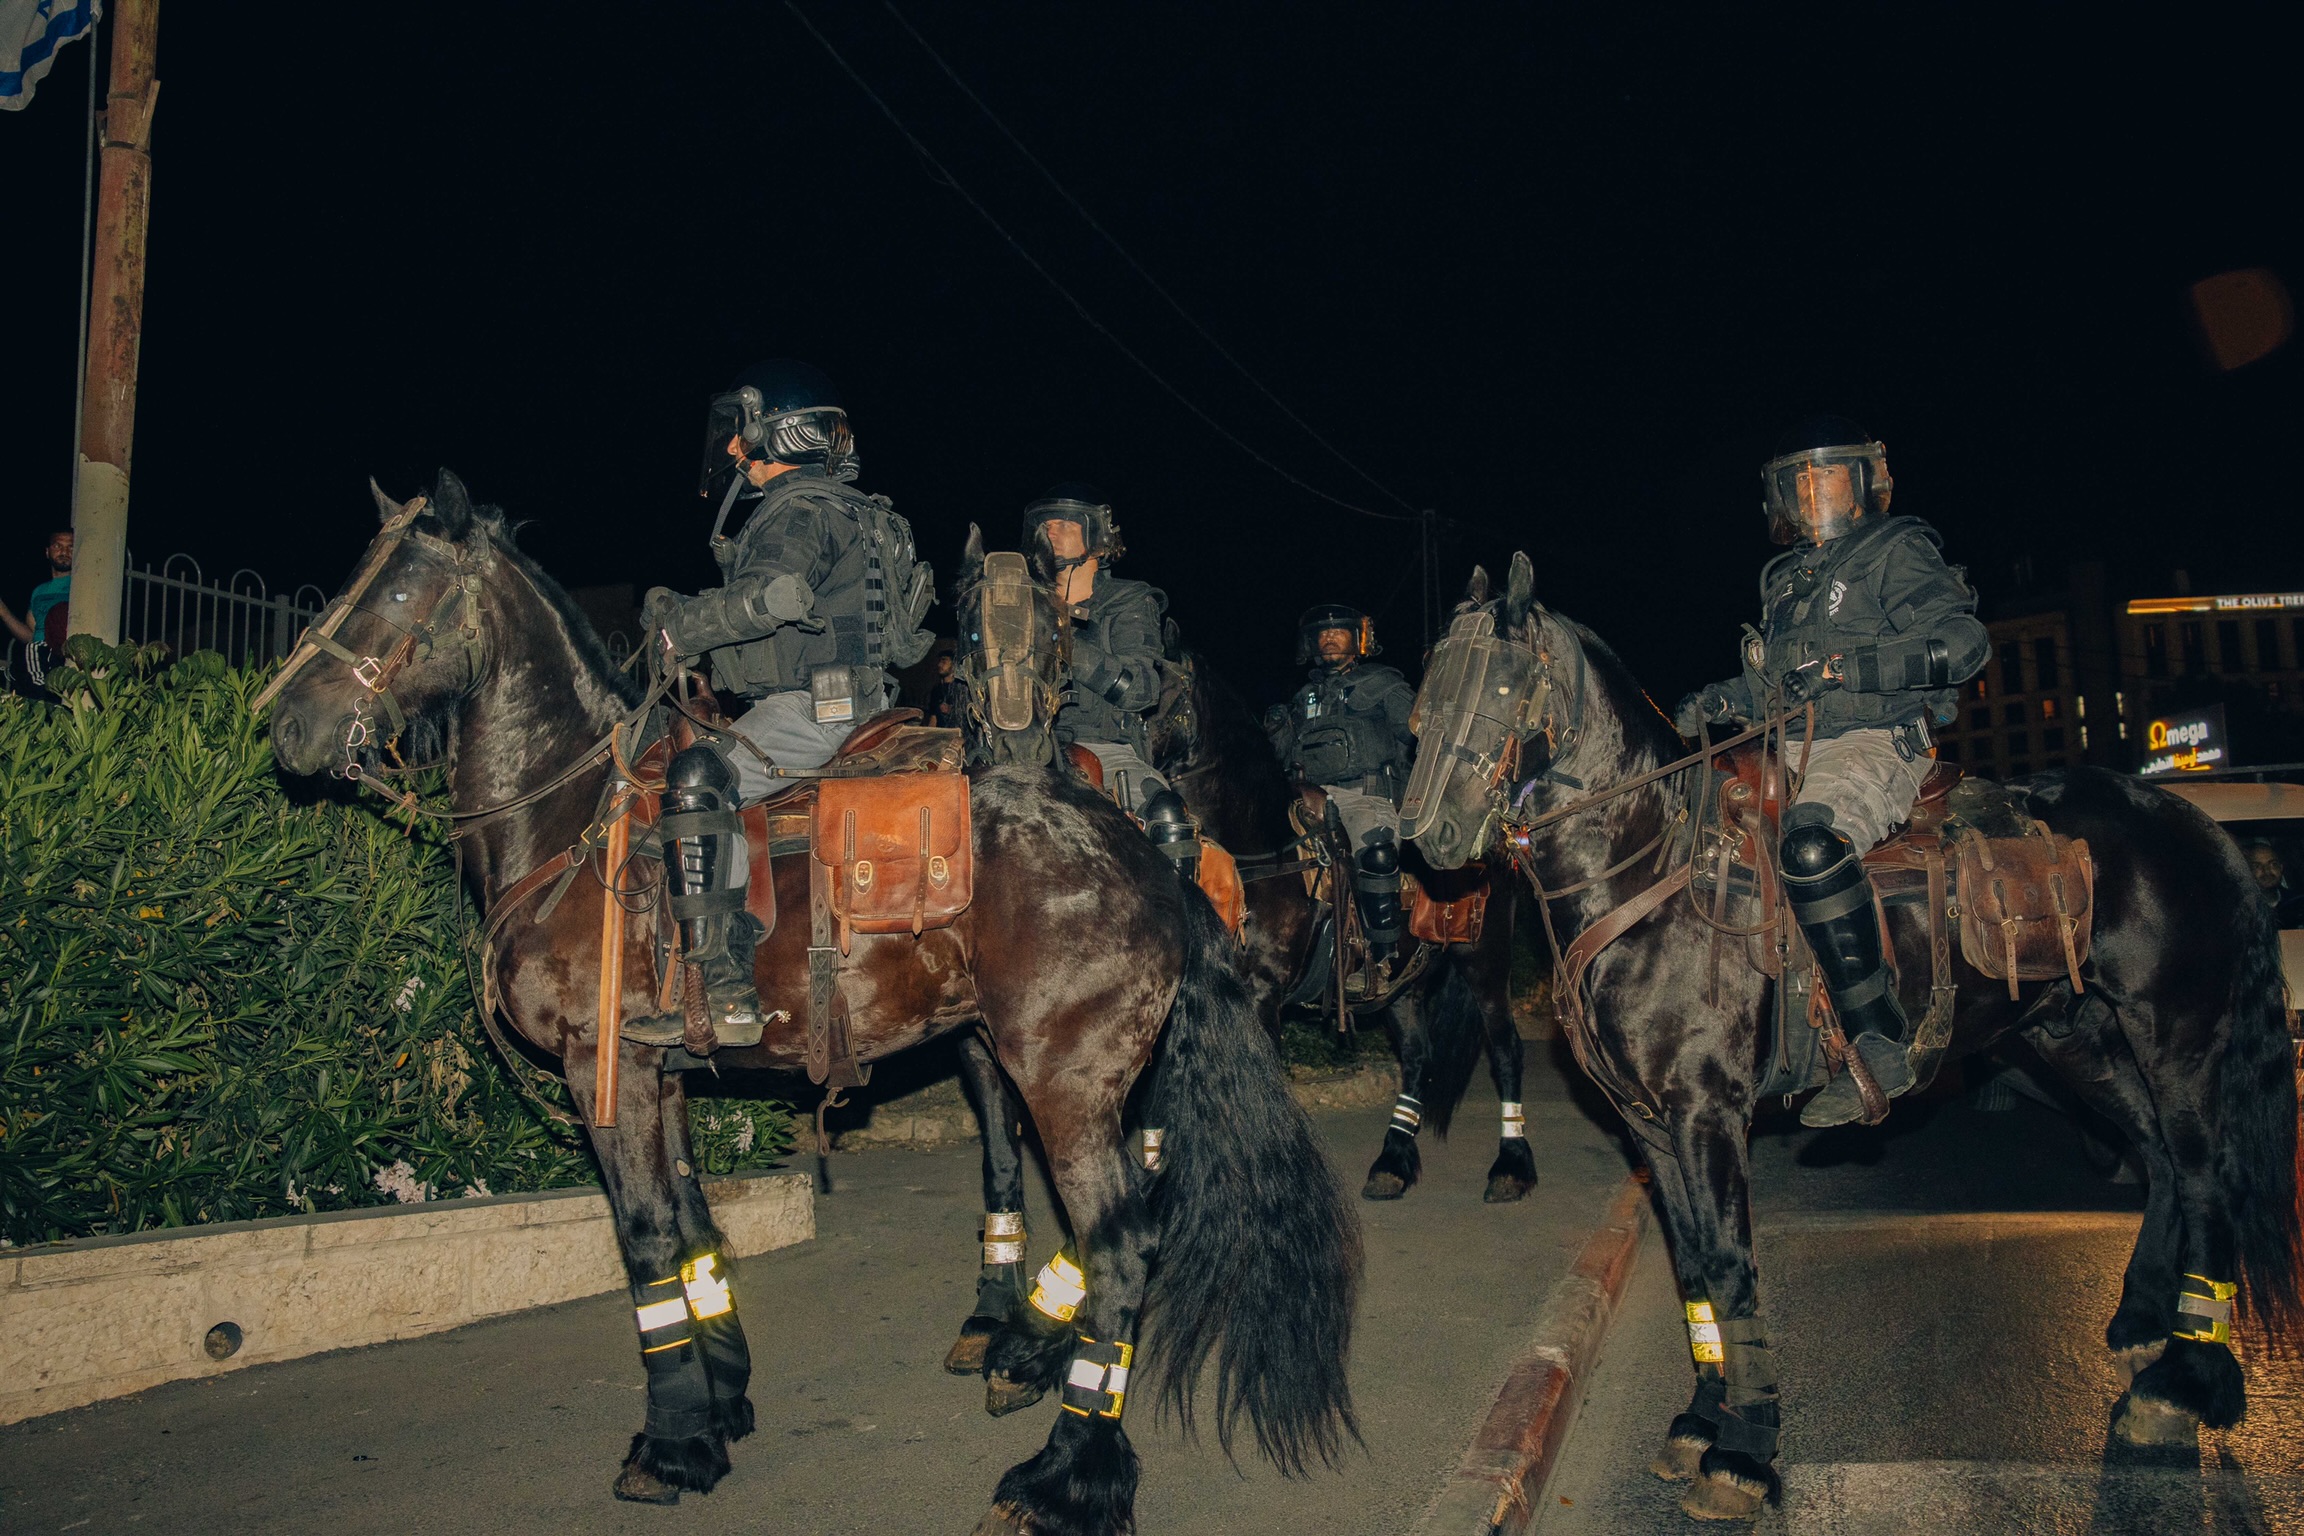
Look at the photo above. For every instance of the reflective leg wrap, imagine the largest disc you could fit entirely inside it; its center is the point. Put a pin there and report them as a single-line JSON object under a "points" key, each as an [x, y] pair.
{"points": [[1154, 1143], [2204, 1310], [1003, 1238], [679, 1387], [1749, 1415], [1704, 1334], [1515, 1122], [1407, 1114], [1097, 1384], [1060, 1289]]}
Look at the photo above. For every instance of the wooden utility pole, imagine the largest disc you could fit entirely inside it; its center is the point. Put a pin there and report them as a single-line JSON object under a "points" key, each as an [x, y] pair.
{"points": [[115, 325]]}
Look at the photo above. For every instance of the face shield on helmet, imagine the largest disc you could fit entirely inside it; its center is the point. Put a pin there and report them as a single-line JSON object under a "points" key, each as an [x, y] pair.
{"points": [[811, 435], [1818, 494], [1318, 620], [1082, 506]]}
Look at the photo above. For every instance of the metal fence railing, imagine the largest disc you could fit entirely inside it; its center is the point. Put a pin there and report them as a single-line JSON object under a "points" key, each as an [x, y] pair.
{"points": [[174, 605]]}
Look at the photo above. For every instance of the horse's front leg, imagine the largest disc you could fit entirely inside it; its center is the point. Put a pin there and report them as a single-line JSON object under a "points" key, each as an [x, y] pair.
{"points": [[1000, 1280], [1695, 1427], [707, 1272], [681, 1444], [1488, 969], [1398, 1163]]}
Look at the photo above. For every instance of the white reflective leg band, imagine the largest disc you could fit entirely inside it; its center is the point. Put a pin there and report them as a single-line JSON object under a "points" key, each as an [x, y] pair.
{"points": [[1515, 1123], [1152, 1140], [663, 1321], [1407, 1114], [1704, 1334], [1060, 1288], [2204, 1310], [1003, 1237], [707, 1293], [662, 1314], [1098, 1382]]}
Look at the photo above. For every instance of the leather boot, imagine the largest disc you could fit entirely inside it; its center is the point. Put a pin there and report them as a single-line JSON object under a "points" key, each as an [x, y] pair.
{"points": [[1376, 887], [706, 867], [1831, 899]]}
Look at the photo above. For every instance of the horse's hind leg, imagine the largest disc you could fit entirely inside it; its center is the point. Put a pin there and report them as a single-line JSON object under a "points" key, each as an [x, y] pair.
{"points": [[1398, 1164], [708, 1272], [2195, 1380], [2099, 1069], [1000, 1280], [682, 1445], [1084, 1479]]}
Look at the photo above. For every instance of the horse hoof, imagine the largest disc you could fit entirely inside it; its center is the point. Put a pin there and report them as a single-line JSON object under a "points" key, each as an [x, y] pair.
{"points": [[1680, 1459], [2127, 1363], [1004, 1394], [637, 1485], [1721, 1496], [1384, 1186], [966, 1357], [1504, 1188], [2146, 1421]]}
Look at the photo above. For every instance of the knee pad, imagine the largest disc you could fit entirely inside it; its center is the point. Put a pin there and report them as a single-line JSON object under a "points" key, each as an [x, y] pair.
{"points": [[1379, 863], [1812, 847], [699, 771]]}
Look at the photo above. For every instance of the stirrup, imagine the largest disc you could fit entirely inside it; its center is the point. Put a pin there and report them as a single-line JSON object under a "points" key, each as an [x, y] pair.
{"points": [[1839, 1103]]}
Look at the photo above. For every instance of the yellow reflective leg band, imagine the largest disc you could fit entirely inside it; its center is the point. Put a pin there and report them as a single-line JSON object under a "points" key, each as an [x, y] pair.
{"points": [[1097, 1385], [1060, 1288], [1003, 1237], [1704, 1334], [707, 1292], [2204, 1310]]}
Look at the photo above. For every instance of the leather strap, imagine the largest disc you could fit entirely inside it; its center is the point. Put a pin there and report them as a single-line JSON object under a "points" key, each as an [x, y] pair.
{"points": [[1568, 986], [831, 1056]]}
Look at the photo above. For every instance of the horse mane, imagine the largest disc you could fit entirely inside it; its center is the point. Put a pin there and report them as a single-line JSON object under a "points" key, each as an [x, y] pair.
{"points": [[1624, 693], [590, 651]]}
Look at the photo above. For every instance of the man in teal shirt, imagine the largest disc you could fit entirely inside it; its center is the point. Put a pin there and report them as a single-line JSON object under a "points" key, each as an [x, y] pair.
{"points": [[50, 596]]}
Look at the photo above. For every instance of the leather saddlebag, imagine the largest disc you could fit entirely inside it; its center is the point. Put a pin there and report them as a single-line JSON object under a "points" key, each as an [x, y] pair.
{"points": [[1448, 907], [1220, 879], [898, 848], [2026, 904]]}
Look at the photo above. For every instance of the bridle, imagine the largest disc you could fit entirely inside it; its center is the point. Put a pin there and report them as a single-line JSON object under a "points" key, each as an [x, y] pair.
{"points": [[458, 605], [999, 665]]}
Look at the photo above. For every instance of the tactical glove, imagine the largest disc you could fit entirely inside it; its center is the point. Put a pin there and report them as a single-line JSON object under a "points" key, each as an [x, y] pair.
{"points": [[1706, 706], [1804, 683]]}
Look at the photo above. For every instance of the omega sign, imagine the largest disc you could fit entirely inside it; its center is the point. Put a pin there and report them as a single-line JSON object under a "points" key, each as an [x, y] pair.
{"points": [[2192, 742]]}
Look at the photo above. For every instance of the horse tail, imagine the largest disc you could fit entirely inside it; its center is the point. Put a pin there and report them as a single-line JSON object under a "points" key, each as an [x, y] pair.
{"points": [[1457, 1031], [2257, 1160], [1259, 1261]]}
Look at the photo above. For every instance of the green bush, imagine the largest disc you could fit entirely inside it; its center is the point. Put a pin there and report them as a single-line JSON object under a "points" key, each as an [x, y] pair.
{"points": [[217, 1003]]}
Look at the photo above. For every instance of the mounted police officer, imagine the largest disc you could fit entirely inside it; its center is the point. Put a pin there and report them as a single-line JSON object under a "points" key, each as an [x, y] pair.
{"points": [[1863, 618], [1346, 730], [822, 593], [1072, 540]]}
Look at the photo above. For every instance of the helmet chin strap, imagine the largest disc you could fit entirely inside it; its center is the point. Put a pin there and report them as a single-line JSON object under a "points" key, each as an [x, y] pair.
{"points": [[736, 484]]}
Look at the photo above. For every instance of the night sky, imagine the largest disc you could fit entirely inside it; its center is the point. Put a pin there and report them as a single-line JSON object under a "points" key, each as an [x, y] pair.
{"points": [[1563, 278]]}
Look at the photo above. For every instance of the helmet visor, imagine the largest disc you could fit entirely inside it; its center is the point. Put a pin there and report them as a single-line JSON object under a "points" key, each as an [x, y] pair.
{"points": [[737, 427], [1819, 493]]}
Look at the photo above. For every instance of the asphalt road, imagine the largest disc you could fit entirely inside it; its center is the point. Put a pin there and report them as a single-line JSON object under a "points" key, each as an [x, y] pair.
{"points": [[1937, 1294], [519, 1424]]}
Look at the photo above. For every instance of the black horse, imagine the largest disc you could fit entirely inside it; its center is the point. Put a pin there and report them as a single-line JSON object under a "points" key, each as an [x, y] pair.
{"points": [[1012, 662], [1080, 955], [2179, 1035]]}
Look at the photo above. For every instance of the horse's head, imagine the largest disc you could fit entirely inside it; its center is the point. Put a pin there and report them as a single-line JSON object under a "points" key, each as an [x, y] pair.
{"points": [[1491, 713], [1015, 653], [390, 657]]}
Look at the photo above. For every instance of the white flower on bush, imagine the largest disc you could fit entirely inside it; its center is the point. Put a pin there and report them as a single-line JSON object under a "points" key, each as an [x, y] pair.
{"points": [[408, 990], [477, 1187], [400, 1182]]}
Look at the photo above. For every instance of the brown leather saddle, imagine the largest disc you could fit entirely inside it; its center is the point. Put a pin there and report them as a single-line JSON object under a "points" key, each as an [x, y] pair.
{"points": [[2020, 895], [1219, 876]]}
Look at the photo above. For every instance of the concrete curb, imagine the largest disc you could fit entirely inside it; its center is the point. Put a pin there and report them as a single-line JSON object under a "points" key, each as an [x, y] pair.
{"points": [[1496, 1490], [105, 1316]]}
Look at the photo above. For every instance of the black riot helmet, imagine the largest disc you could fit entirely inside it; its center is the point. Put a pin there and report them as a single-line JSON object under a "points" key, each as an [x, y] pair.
{"points": [[1827, 476], [1326, 616], [779, 412], [1071, 501]]}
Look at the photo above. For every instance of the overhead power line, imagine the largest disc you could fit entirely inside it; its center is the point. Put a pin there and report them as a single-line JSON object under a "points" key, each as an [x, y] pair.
{"points": [[1065, 293], [1138, 267]]}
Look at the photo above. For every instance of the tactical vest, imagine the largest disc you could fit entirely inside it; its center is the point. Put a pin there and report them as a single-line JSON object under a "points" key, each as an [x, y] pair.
{"points": [[1830, 600], [1343, 735], [1114, 605], [871, 589]]}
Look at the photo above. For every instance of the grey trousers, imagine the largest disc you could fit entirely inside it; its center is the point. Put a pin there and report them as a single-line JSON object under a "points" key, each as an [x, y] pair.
{"points": [[1870, 786], [784, 727], [1363, 813], [1125, 770]]}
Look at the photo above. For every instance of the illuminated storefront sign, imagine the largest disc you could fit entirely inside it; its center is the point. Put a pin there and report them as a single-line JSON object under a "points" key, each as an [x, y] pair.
{"points": [[2192, 742], [2244, 603]]}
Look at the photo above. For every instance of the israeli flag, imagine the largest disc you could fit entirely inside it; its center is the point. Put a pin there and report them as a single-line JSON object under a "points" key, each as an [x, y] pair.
{"points": [[30, 33]]}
